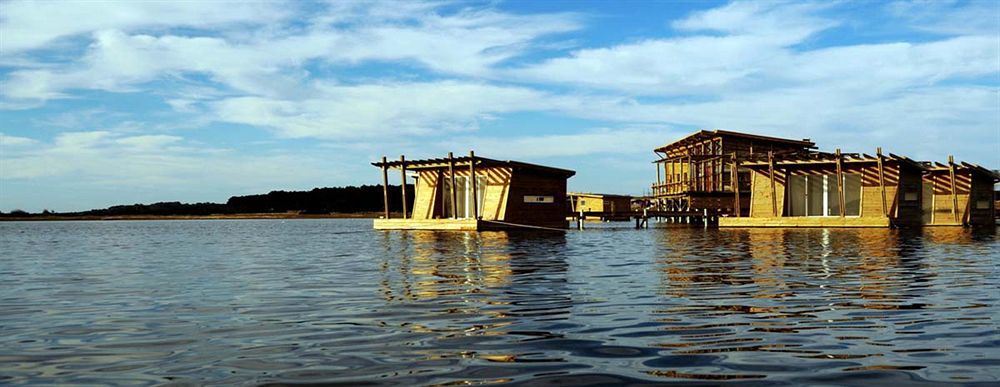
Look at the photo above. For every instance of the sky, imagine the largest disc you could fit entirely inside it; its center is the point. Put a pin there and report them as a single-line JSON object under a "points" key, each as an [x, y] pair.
{"points": [[106, 102]]}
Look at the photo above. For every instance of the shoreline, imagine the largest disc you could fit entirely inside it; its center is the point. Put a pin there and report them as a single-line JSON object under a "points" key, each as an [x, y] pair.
{"points": [[284, 215]]}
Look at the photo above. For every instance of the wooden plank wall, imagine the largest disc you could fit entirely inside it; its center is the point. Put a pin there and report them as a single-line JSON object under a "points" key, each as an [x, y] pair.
{"points": [[761, 195], [526, 183], [425, 198]]}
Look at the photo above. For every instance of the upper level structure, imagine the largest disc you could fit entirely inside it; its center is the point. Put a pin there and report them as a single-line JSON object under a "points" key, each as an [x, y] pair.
{"points": [[701, 170], [475, 193]]}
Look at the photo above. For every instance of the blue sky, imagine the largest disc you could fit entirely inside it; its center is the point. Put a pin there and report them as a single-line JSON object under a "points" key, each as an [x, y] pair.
{"points": [[109, 103]]}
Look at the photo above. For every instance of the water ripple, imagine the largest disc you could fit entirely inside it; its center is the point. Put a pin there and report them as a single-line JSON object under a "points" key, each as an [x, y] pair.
{"points": [[334, 302]]}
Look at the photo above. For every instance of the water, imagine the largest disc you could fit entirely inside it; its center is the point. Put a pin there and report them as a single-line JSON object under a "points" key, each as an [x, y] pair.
{"points": [[327, 301]]}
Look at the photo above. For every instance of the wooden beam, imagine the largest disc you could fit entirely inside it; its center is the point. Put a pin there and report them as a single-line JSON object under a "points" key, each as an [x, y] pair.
{"points": [[452, 191], [954, 192], [770, 175], [402, 175], [881, 181], [735, 180], [475, 190], [385, 187], [840, 183]]}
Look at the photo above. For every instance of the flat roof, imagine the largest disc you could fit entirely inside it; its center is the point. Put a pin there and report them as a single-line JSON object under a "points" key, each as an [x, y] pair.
{"points": [[706, 134], [443, 162], [597, 195]]}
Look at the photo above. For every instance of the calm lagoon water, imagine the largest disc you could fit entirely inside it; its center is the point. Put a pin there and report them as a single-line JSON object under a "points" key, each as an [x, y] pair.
{"points": [[328, 301]]}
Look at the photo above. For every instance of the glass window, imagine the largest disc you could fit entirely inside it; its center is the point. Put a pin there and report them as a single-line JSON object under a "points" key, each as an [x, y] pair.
{"points": [[852, 194], [797, 195]]}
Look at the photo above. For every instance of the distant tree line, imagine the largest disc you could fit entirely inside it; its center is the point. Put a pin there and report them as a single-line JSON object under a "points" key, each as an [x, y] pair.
{"points": [[350, 199]]}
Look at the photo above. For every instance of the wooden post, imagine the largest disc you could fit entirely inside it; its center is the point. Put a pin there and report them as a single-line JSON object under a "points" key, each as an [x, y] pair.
{"points": [[385, 187], [881, 181], [475, 190], [402, 175], [840, 183], [770, 175], [735, 180], [659, 184], [452, 191], [954, 191]]}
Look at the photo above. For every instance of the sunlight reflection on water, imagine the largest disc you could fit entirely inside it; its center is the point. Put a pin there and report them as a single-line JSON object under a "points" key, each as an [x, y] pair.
{"points": [[334, 301]]}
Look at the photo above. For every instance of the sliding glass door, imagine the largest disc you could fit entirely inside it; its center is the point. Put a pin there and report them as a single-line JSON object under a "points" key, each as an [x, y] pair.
{"points": [[463, 193], [816, 195]]}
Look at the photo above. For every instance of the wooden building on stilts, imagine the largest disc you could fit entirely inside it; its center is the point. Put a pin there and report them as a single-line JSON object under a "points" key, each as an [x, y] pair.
{"points": [[703, 171], [477, 193]]}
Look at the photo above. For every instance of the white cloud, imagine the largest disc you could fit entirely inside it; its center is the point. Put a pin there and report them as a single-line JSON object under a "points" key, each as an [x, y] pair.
{"points": [[13, 141], [28, 25], [271, 63], [380, 110]]}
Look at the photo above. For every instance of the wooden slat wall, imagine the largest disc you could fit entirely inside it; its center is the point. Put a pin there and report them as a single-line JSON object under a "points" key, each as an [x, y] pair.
{"points": [[761, 206], [427, 192]]}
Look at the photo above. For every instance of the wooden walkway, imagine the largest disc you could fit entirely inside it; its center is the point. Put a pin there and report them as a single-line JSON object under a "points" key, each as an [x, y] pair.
{"points": [[641, 218]]}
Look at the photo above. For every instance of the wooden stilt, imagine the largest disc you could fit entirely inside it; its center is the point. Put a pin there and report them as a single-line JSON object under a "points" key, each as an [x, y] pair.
{"points": [[954, 190], [659, 182], [770, 175], [881, 181], [385, 187], [735, 180], [402, 175], [840, 183], [475, 190], [453, 192]]}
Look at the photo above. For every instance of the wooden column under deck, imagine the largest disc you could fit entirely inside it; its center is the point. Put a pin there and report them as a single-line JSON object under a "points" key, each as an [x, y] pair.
{"points": [[472, 176], [770, 175], [954, 191], [402, 175], [881, 181], [385, 187], [734, 179], [453, 193], [840, 182]]}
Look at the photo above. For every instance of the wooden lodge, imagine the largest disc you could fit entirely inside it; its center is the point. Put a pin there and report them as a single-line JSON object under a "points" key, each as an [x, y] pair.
{"points": [[604, 207], [819, 189], [958, 194], [477, 193], [702, 171]]}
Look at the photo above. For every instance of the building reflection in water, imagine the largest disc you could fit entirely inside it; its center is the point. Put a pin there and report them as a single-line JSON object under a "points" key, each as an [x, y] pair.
{"points": [[476, 287], [875, 268]]}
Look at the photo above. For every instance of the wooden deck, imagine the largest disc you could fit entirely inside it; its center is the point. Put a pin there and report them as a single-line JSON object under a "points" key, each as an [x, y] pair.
{"points": [[427, 224], [805, 221]]}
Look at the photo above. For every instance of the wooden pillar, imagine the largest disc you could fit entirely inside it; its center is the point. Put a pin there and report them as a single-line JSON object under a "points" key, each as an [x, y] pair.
{"points": [[954, 190], [770, 175], [881, 181], [659, 184], [840, 183], [385, 186], [452, 191], [475, 190], [735, 180], [402, 175]]}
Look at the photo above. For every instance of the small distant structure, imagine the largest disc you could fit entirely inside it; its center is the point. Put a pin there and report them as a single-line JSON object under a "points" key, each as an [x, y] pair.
{"points": [[958, 194], [477, 193], [604, 207], [701, 172]]}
